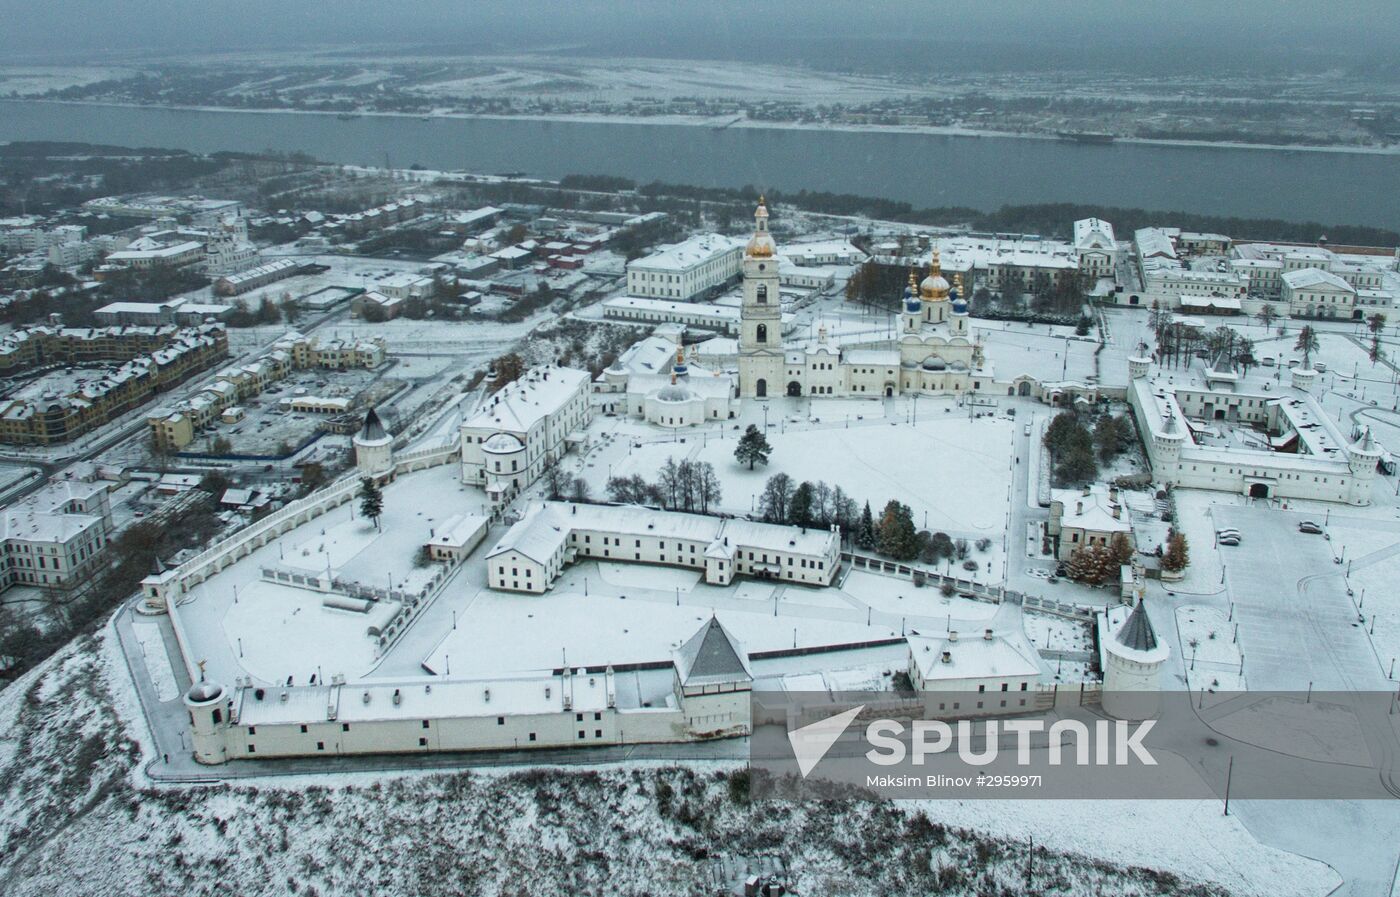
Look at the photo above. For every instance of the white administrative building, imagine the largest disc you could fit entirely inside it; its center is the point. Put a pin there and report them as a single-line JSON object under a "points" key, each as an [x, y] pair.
{"points": [[533, 552], [1210, 427], [687, 269], [524, 428]]}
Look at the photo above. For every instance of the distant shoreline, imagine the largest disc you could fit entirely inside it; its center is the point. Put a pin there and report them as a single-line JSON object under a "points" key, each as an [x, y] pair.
{"points": [[733, 122]]}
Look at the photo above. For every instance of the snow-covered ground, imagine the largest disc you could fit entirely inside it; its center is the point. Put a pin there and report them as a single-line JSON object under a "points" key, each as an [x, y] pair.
{"points": [[1372, 569], [1209, 649], [1051, 632], [954, 473], [900, 596], [1192, 838], [157, 660], [74, 798]]}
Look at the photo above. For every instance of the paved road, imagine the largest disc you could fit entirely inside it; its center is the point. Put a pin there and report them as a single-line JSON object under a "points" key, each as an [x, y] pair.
{"points": [[1297, 624]]}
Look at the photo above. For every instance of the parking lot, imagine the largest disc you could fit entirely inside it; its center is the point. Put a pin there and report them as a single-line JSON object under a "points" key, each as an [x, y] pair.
{"points": [[1297, 623]]}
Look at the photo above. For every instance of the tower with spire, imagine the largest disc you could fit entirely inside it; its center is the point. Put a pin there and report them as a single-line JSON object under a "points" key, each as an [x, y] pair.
{"points": [[1133, 656], [761, 315], [374, 447]]}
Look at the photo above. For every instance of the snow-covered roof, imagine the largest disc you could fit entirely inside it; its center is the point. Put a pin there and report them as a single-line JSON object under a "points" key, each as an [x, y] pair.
{"points": [[1091, 509], [696, 310], [966, 253], [1312, 278], [537, 535], [547, 525], [370, 700], [1004, 655], [268, 269], [876, 357], [1093, 233], [688, 254], [520, 405], [1154, 241], [161, 252]]}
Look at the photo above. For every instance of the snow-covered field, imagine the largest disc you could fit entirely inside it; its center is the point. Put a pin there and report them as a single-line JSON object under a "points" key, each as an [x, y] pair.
{"points": [[900, 596], [625, 79], [1209, 651], [1055, 633], [35, 80], [1373, 550], [954, 473], [278, 631], [503, 631]]}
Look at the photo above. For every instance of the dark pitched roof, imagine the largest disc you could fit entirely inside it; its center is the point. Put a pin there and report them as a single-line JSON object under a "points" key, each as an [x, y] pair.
{"points": [[711, 655], [1137, 631], [1224, 363], [373, 428]]}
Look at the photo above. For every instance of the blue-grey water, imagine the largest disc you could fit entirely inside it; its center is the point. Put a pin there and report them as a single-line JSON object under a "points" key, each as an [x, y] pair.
{"points": [[926, 170]]}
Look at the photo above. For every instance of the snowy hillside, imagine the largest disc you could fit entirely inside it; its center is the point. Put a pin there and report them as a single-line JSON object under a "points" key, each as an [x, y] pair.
{"points": [[73, 799]]}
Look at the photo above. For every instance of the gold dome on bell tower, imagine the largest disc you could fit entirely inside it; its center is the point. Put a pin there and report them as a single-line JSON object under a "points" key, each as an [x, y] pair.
{"points": [[934, 286], [761, 245]]}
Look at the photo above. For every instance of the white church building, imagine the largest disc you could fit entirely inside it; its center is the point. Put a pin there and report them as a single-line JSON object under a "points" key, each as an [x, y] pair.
{"points": [[935, 353]]}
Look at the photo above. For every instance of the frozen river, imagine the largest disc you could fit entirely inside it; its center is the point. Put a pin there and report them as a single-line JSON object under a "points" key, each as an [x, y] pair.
{"points": [[924, 169]]}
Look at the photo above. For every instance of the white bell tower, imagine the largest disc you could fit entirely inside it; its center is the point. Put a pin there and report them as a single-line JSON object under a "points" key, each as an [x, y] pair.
{"points": [[761, 315]]}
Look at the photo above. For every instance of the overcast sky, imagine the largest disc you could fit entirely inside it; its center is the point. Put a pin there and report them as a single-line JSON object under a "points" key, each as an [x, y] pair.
{"points": [[888, 34]]}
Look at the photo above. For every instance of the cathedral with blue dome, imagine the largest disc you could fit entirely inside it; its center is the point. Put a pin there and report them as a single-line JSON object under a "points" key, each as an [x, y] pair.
{"points": [[933, 352]]}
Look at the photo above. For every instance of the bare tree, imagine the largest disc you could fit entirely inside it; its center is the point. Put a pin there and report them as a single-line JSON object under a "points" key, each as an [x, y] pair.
{"points": [[710, 493], [777, 498]]}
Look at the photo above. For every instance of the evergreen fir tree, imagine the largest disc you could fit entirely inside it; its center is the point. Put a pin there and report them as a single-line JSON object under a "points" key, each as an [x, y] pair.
{"points": [[865, 529], [897, 537], [753, 447], [371, 500]]}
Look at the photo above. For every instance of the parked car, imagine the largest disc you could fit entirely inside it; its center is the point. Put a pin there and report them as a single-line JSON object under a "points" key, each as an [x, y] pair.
{"points": [[1308, 526], [1229, 540], [1227, 531]]}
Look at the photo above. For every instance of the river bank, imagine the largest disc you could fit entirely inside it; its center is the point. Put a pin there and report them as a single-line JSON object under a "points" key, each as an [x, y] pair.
{"points": [[924, 168], [726, 122]]}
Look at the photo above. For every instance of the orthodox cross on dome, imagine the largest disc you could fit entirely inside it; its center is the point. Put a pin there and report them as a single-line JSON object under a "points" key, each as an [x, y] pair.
{"points": [[760, 244]]}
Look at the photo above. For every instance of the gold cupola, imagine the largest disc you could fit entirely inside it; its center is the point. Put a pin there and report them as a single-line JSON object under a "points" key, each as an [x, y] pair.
{"points": [[934, 286], [761, 245]]}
